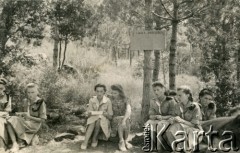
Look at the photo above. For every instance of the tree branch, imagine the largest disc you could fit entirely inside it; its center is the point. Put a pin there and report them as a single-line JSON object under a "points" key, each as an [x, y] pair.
{"points": [[166, 26], [165, 9], [161, 16], [192, 14], [185, 2], [186, 17]]}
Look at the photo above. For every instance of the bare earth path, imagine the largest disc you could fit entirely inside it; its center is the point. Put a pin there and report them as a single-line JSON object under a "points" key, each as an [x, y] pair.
{"points": [[73, 146]]}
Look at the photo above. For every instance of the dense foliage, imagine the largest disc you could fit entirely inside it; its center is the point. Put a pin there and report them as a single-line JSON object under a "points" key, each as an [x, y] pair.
{"points": [[202, 40]]}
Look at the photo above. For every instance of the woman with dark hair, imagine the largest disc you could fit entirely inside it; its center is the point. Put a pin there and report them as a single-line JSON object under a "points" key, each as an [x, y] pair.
{"points": [[208, 106], [162, 107], [100, 113], [188, 120], [121, 116], [5, 108]]}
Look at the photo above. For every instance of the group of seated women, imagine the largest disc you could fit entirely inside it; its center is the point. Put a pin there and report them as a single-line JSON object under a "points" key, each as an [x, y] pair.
{"points": [[109, 115], [179, 110], [21, 127]]}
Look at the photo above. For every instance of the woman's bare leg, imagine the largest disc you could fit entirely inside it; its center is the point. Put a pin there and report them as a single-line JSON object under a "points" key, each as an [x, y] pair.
{"points": [[95, 133], [89, 132], [12, 135], [126, 134], [121, 144]]}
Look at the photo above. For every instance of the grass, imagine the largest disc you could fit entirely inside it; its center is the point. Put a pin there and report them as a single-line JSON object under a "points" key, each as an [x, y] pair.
{"points": [[95, 66]]}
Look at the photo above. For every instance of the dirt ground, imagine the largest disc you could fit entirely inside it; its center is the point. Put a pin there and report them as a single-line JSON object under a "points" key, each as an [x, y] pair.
{"points": [[73, 146]]}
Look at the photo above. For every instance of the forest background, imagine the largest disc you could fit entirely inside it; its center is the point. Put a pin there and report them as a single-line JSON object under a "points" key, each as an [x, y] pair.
{"points": [[69, 46]]}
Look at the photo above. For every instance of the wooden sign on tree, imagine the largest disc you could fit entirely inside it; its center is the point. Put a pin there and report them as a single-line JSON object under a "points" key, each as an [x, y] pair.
{"points": [[147, 40]]}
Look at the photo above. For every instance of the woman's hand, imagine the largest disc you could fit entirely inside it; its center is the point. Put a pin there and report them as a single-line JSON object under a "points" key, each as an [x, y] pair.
{"points": [[171, 120], [159, 117], [25, 116], [178, 119]]}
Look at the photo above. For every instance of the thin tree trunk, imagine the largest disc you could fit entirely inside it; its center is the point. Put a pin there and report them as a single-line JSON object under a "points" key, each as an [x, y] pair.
{"points": [[147, 66], [173, 46], [65, 50], [156, 65], [238, 65], [114, 55], [55, 54], [131, 56], [163, 69], [3, 41], [118, 55], [59, 55]]}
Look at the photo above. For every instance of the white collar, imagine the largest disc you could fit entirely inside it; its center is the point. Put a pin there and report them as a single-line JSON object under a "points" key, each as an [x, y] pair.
{"points": [[104, 100]]}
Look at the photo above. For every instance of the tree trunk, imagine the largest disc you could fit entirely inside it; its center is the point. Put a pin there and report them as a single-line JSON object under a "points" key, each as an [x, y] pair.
{"points": [[147, 66], [238, 65], [114, 55], [59, 55], [146, 84], [156, 65], [163, 69], [131, 56], [65, 50], [173, 46], [3, 41], [55, 54]]}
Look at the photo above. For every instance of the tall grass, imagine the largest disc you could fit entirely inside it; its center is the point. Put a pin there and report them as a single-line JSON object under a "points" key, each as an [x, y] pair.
{"points": [[94, 67]]}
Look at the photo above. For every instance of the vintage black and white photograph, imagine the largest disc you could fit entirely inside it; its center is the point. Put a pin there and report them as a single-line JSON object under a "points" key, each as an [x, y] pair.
{"points": [[119, 76]]}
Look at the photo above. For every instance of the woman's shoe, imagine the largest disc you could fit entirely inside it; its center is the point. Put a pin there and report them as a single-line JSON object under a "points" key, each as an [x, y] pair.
{"points": [[122, 146], [128, 145], [94, 144], [83, 146], [2, 150], [15, 148]]}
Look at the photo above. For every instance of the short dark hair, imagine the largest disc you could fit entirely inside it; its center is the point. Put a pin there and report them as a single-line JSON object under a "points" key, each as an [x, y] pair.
{"points": [[158, 84], [206, 91], [100, 86]]}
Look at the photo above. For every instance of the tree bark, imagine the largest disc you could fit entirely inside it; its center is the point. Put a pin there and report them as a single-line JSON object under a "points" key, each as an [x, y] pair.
{"points": [[65, 50], [59, 55], [238, 65], [114, 55], [55, 54], [156, 65], [147, 66], [2, 33], [146, 85], [131, 56], [163, 69], [173, 48]]}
